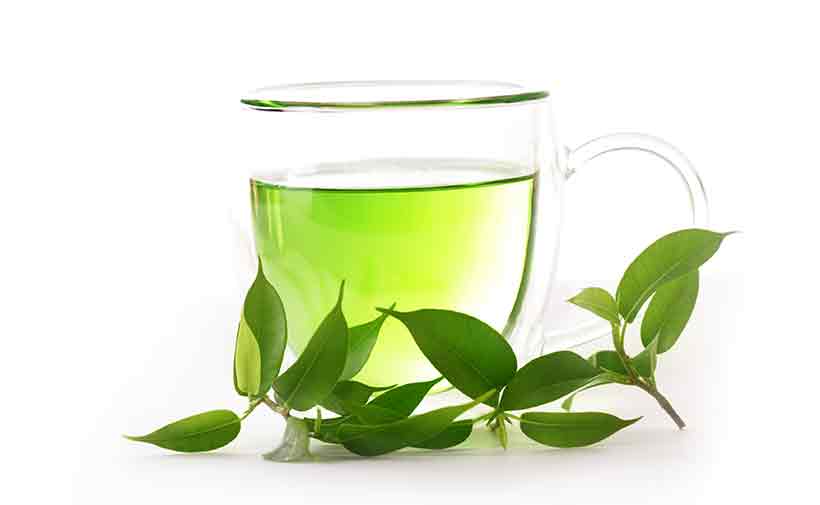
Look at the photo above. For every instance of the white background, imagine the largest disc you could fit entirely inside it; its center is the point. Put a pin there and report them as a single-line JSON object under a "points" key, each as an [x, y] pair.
{"points": [[117, 280]]}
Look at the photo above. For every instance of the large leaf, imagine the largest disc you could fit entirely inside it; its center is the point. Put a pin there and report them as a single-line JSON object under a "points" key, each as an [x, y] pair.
{"points": [[263, 319], [598, 301], [545, 379], [453, 435], [669, 311], [373, 440], [314, 374], [666, 259], [360, 344], [202, 432], [348, 394], [566, 429], [466, 351]]}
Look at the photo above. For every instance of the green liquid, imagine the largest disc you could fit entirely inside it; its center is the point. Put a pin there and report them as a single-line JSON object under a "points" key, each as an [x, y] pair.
{"points": [[461, 245]]}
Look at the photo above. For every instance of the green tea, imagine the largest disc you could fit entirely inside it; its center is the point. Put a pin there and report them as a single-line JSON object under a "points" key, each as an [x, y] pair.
{"points": [[421, 233]]}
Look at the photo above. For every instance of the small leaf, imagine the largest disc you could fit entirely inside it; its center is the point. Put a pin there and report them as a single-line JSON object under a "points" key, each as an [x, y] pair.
{"points": [[647, 360], [395, 404], [669, 311], [601, 380], [598, 301], [565, 429], [666, 259], [347, 394], [202, 432], [295, 444], [314, 374], [545, 379], [247, 371], [362, 338], [469, 353], [263, 317], [453, 435], [369, 440], [610, 361]]}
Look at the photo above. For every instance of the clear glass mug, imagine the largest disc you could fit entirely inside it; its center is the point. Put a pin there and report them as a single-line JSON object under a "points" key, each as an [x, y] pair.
{"points": [[426, 194]]}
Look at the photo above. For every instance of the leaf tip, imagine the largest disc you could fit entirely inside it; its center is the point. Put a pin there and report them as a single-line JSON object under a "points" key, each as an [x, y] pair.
{"points": [[630, 422], [389, 311], [341, 292]]}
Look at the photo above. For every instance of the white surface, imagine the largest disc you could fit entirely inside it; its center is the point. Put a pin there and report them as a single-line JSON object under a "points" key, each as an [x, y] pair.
{"points": [[117, 282]]}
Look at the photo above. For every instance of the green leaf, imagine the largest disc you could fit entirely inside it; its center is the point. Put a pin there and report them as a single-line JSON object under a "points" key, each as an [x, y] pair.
{"points": [[202, 432], [566, 429], [362, 338], [295, 445], [647, 360], [666, 259], [263, 317], [469, 353], [598, 301], [452, 435], [545, 379], [328, 429], [601, 380], [347, 394], [610, 361], [669, 311], [395, 404], [373, 440], [247, 366], [314, 374]]}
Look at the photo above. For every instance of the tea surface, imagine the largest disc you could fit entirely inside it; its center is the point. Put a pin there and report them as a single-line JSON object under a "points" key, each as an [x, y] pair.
{"points": [[421, 233]]}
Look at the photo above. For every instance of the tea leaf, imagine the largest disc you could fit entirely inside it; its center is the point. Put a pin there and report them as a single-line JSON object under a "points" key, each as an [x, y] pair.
{"points": [[666, 259], [545, 379], [395, 404], [452, 435], [247, 362], [669, 311], [202, 432], [314, 374], [601, 380], [361, 340], [598, 301], [404, 399], [295, 444], [610, 361], [263, 318], [347, 394], [646, 361], [565, 429], [369, 440], [469, 353]]}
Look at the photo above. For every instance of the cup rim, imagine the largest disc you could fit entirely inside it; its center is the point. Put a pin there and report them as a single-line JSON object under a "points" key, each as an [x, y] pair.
{"points": [[392, 94]]}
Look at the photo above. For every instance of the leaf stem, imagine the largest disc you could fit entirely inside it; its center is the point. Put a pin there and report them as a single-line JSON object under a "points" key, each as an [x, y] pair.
{"points": [[251, 407], [482, 417], [647, 385], [663, 402], [282, 411]]}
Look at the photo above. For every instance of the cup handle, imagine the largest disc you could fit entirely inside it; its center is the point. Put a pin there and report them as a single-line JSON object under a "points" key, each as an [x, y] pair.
{"points": [[579, 157]]}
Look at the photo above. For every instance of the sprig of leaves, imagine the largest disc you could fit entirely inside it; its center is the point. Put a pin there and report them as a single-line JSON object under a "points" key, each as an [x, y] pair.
{"points": [[471, 355]]}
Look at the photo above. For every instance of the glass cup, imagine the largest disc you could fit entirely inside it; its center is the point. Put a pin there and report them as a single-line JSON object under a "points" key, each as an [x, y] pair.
{"points": [[426, 194]]}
